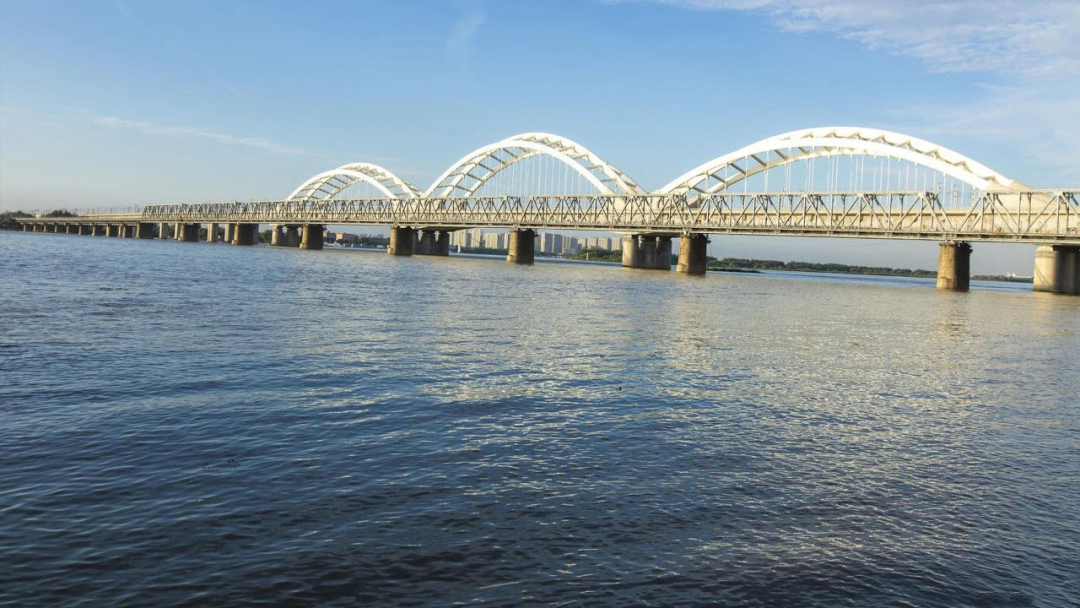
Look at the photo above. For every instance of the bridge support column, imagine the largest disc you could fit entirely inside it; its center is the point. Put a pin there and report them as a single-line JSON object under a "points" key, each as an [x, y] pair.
{"points": [[954, 266], [522, 247], [229, 233], [313, 237], [25, 227], [67, 228], [111, 230], [442, 243], [163, 230], [56, 228], [245, 234], [292, 236], [187, 233], [277, 236], [131, 231], [401, 241], [426, 244], [663, 253], [649, 257], [144, 231], [1057, 269], [83, 230], [211, 233], [692, 254]]}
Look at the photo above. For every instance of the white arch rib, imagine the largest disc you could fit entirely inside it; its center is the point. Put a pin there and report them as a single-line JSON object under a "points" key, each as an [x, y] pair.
{"points": [[526, 145], [829, 141], [328, 184]]}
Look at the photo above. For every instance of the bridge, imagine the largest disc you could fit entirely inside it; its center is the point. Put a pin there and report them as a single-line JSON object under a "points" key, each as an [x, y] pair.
{"points": [[827, 182]]}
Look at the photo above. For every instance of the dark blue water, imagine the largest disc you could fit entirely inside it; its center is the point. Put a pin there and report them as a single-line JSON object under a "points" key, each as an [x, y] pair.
{"points": [[193, 424]]}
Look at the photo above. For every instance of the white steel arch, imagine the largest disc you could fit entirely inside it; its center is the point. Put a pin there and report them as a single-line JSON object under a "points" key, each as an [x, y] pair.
{"points": [[473, 170], [807, 144], [328, 184]]}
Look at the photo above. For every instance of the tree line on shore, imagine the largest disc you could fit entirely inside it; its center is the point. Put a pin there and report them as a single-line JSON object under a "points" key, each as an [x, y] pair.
{"points": [[8, 218], [748, 264]]}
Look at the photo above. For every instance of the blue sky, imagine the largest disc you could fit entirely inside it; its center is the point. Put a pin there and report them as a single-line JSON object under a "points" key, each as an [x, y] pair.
{"points": [[114, 103]]}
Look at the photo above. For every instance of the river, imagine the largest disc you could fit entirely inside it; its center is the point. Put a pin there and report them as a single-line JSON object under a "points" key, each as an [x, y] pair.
{"points": [[194, 424]]}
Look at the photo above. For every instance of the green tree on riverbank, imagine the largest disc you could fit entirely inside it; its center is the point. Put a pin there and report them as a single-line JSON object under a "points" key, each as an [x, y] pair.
{"points": [[595, 254], [7, 220]]}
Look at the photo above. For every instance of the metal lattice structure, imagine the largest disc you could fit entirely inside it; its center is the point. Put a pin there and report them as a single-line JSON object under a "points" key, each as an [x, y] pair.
{"points": [[1044, 216], [476, 168], [721, 173], [329, 184]]}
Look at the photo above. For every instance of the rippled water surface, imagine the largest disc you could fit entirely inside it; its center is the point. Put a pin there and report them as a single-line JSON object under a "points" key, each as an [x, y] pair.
{"points": [[193, 424]]}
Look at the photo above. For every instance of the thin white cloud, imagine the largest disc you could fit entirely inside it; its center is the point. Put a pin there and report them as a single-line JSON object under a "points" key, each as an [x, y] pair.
{"points": [[1028, 48], [471, 16], [1030, 37], [198, 133]]}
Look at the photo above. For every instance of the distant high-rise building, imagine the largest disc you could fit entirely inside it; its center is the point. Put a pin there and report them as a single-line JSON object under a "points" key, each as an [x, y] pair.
{"points": [[547, 242]]}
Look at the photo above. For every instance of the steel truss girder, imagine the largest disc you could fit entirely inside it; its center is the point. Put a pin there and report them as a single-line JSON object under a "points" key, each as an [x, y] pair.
{"points": [[1030, 215]]}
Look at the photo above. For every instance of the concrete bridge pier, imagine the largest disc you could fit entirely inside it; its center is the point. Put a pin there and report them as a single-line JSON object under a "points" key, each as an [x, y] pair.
{"points": [[292, 236], [442, 243], [401, 241], [56, 228], [313, 237], [163, 230], [954, 266], [229, 233], [649, 256], [144, 231], [130, 231], [211, 233], [663, 253], [187, 233], [522, 247], [631, 251], [426, 243], [111, 230], [1057, 269], [692, 254], [245, 234], [67, 228], [277, 236]]}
